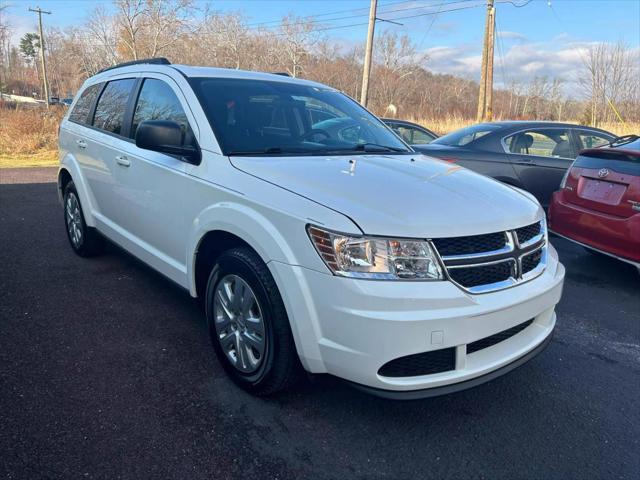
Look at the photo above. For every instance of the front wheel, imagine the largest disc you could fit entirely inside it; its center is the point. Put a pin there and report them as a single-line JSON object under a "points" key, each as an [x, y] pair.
{"points": [[248, 324]]}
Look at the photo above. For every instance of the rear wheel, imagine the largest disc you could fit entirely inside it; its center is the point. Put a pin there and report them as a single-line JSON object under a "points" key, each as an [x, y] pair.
{"points": [[84, 240], [248, 324]]}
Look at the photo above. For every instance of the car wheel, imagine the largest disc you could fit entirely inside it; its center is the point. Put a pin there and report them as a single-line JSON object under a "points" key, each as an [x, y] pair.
{"points": [[248, 324], [84, 240]]}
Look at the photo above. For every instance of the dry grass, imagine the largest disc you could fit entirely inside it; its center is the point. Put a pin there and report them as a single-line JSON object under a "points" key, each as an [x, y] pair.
{"points": [[446, 125], [40, 159], [28, 136]]}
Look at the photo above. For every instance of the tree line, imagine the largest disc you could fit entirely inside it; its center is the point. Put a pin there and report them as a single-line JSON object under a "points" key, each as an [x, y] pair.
{"points": [[401, 83]]}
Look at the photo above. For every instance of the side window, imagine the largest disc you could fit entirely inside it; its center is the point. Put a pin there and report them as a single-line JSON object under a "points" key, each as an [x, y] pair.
{"points": [[551, 142], [420, 137], [403, 132], [589, 139], [82, 107], [157, 101], [112, 105]]}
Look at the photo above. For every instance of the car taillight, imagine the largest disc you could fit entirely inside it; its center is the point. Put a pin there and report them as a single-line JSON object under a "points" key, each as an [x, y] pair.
{"points": [[563, 183], [450, 160]]}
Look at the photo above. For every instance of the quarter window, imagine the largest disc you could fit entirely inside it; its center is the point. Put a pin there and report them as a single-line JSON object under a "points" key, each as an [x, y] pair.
{"points": [[82, 107], [157, 101], [552, 142], [112, 105], [592, 139]]}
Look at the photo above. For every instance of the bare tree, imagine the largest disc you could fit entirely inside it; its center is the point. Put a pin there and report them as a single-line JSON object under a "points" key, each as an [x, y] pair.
{"points": [[298, 37], [611, 77], [130, 21]]}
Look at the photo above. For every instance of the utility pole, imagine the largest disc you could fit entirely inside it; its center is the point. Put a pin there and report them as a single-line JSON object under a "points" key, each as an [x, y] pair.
{"points": [[485, 97], [364, 95], [39, 11]]}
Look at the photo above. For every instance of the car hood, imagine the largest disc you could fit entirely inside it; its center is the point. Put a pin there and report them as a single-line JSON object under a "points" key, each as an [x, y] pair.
{"points": [[400, 195]]}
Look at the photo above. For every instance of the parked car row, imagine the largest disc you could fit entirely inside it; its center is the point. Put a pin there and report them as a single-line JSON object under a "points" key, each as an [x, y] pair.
{"points": [[318, 240], [588, 178]]}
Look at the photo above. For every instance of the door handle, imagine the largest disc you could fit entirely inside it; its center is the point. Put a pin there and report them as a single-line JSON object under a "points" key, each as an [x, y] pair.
{"points": [[525, 160], [81, 144], [123, 161]]}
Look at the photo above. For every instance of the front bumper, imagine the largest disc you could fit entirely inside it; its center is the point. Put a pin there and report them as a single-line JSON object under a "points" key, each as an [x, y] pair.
{"points": [[351, 328]]}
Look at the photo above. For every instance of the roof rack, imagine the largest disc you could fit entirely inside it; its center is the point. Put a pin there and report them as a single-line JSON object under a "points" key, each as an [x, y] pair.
{"points": [[282, 74], [148, 61]]}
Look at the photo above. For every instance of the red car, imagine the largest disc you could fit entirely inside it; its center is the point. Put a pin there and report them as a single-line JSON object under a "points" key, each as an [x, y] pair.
{"points": [[598, 204]]}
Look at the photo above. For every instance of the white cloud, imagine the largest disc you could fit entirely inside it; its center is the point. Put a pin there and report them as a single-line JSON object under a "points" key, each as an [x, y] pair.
{"points": [[512, 36], [521, 63], [19, 24]]}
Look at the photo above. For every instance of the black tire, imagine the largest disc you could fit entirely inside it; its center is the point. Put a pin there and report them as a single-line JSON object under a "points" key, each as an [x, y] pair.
{"points": [[89, 243], [280, 366]]}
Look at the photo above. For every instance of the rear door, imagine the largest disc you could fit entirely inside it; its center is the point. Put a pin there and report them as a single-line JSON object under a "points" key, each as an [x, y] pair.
{"points": [[540, 157], [104, 142], [74, 137]]}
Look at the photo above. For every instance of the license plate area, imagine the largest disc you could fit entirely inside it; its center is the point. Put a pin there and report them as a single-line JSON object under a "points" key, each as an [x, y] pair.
{"points": [[601, 191]]}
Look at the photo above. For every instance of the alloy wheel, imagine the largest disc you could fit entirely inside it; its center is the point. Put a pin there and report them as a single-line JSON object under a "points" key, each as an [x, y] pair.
{"points": [[239, 323]]}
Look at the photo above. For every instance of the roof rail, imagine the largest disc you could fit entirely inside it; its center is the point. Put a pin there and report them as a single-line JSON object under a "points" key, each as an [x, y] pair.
{"points": [[148, 61], [282, 74]]}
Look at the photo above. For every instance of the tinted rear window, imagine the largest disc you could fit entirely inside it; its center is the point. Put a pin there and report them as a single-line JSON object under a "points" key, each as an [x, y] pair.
{"points": [[618, 161], [80, 111], [112, 105]]}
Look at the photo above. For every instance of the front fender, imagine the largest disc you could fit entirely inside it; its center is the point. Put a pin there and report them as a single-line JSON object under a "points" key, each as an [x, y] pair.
{"points": [[246, 223], [70, 164]]}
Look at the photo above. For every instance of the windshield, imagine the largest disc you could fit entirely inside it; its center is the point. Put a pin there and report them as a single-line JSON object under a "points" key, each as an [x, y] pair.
{"points": [[464, 136], [256, 117]]}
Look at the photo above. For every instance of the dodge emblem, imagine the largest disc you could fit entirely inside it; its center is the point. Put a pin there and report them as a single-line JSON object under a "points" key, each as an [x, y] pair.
{"points": [[603, 172]]}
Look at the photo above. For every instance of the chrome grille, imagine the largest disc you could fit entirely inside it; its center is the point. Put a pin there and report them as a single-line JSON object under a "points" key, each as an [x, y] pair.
{"points": [[526, 234], [484, 263]]}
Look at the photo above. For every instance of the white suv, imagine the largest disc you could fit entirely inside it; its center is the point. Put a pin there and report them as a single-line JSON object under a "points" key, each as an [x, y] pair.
{"points": [[316, 239]]}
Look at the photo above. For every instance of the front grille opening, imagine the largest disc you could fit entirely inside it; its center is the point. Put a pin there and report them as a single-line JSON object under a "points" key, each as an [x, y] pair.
{"points": [[482, 274], [527, 233], [497, 338], [427, 363], [471, 244], [531, 261]]}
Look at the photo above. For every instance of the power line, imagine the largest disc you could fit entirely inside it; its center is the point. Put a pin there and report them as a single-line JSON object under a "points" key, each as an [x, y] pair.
{"points": [[313, 18], [365, 10], [426, 33], [395, 18]]}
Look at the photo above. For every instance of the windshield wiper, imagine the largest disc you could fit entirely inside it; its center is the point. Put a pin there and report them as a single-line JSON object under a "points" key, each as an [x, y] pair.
{"points": [[266, 151], [375, 147]]}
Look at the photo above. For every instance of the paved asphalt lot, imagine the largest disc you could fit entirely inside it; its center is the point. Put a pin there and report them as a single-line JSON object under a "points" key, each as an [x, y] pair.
{"points": [[106, 372]]}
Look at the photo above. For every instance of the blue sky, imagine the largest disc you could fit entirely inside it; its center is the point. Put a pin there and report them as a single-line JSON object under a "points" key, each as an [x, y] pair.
{"points": [[536, 39]]}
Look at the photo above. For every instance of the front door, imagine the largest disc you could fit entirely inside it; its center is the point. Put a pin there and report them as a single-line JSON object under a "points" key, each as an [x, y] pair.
{"points": [[154, 187]]}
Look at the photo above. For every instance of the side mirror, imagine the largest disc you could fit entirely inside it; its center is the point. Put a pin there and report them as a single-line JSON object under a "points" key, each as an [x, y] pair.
{"points": [[166, 136]]}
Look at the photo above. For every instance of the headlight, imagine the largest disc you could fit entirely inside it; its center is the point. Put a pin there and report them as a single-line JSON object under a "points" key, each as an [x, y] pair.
{"points": [[376, 258]]}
